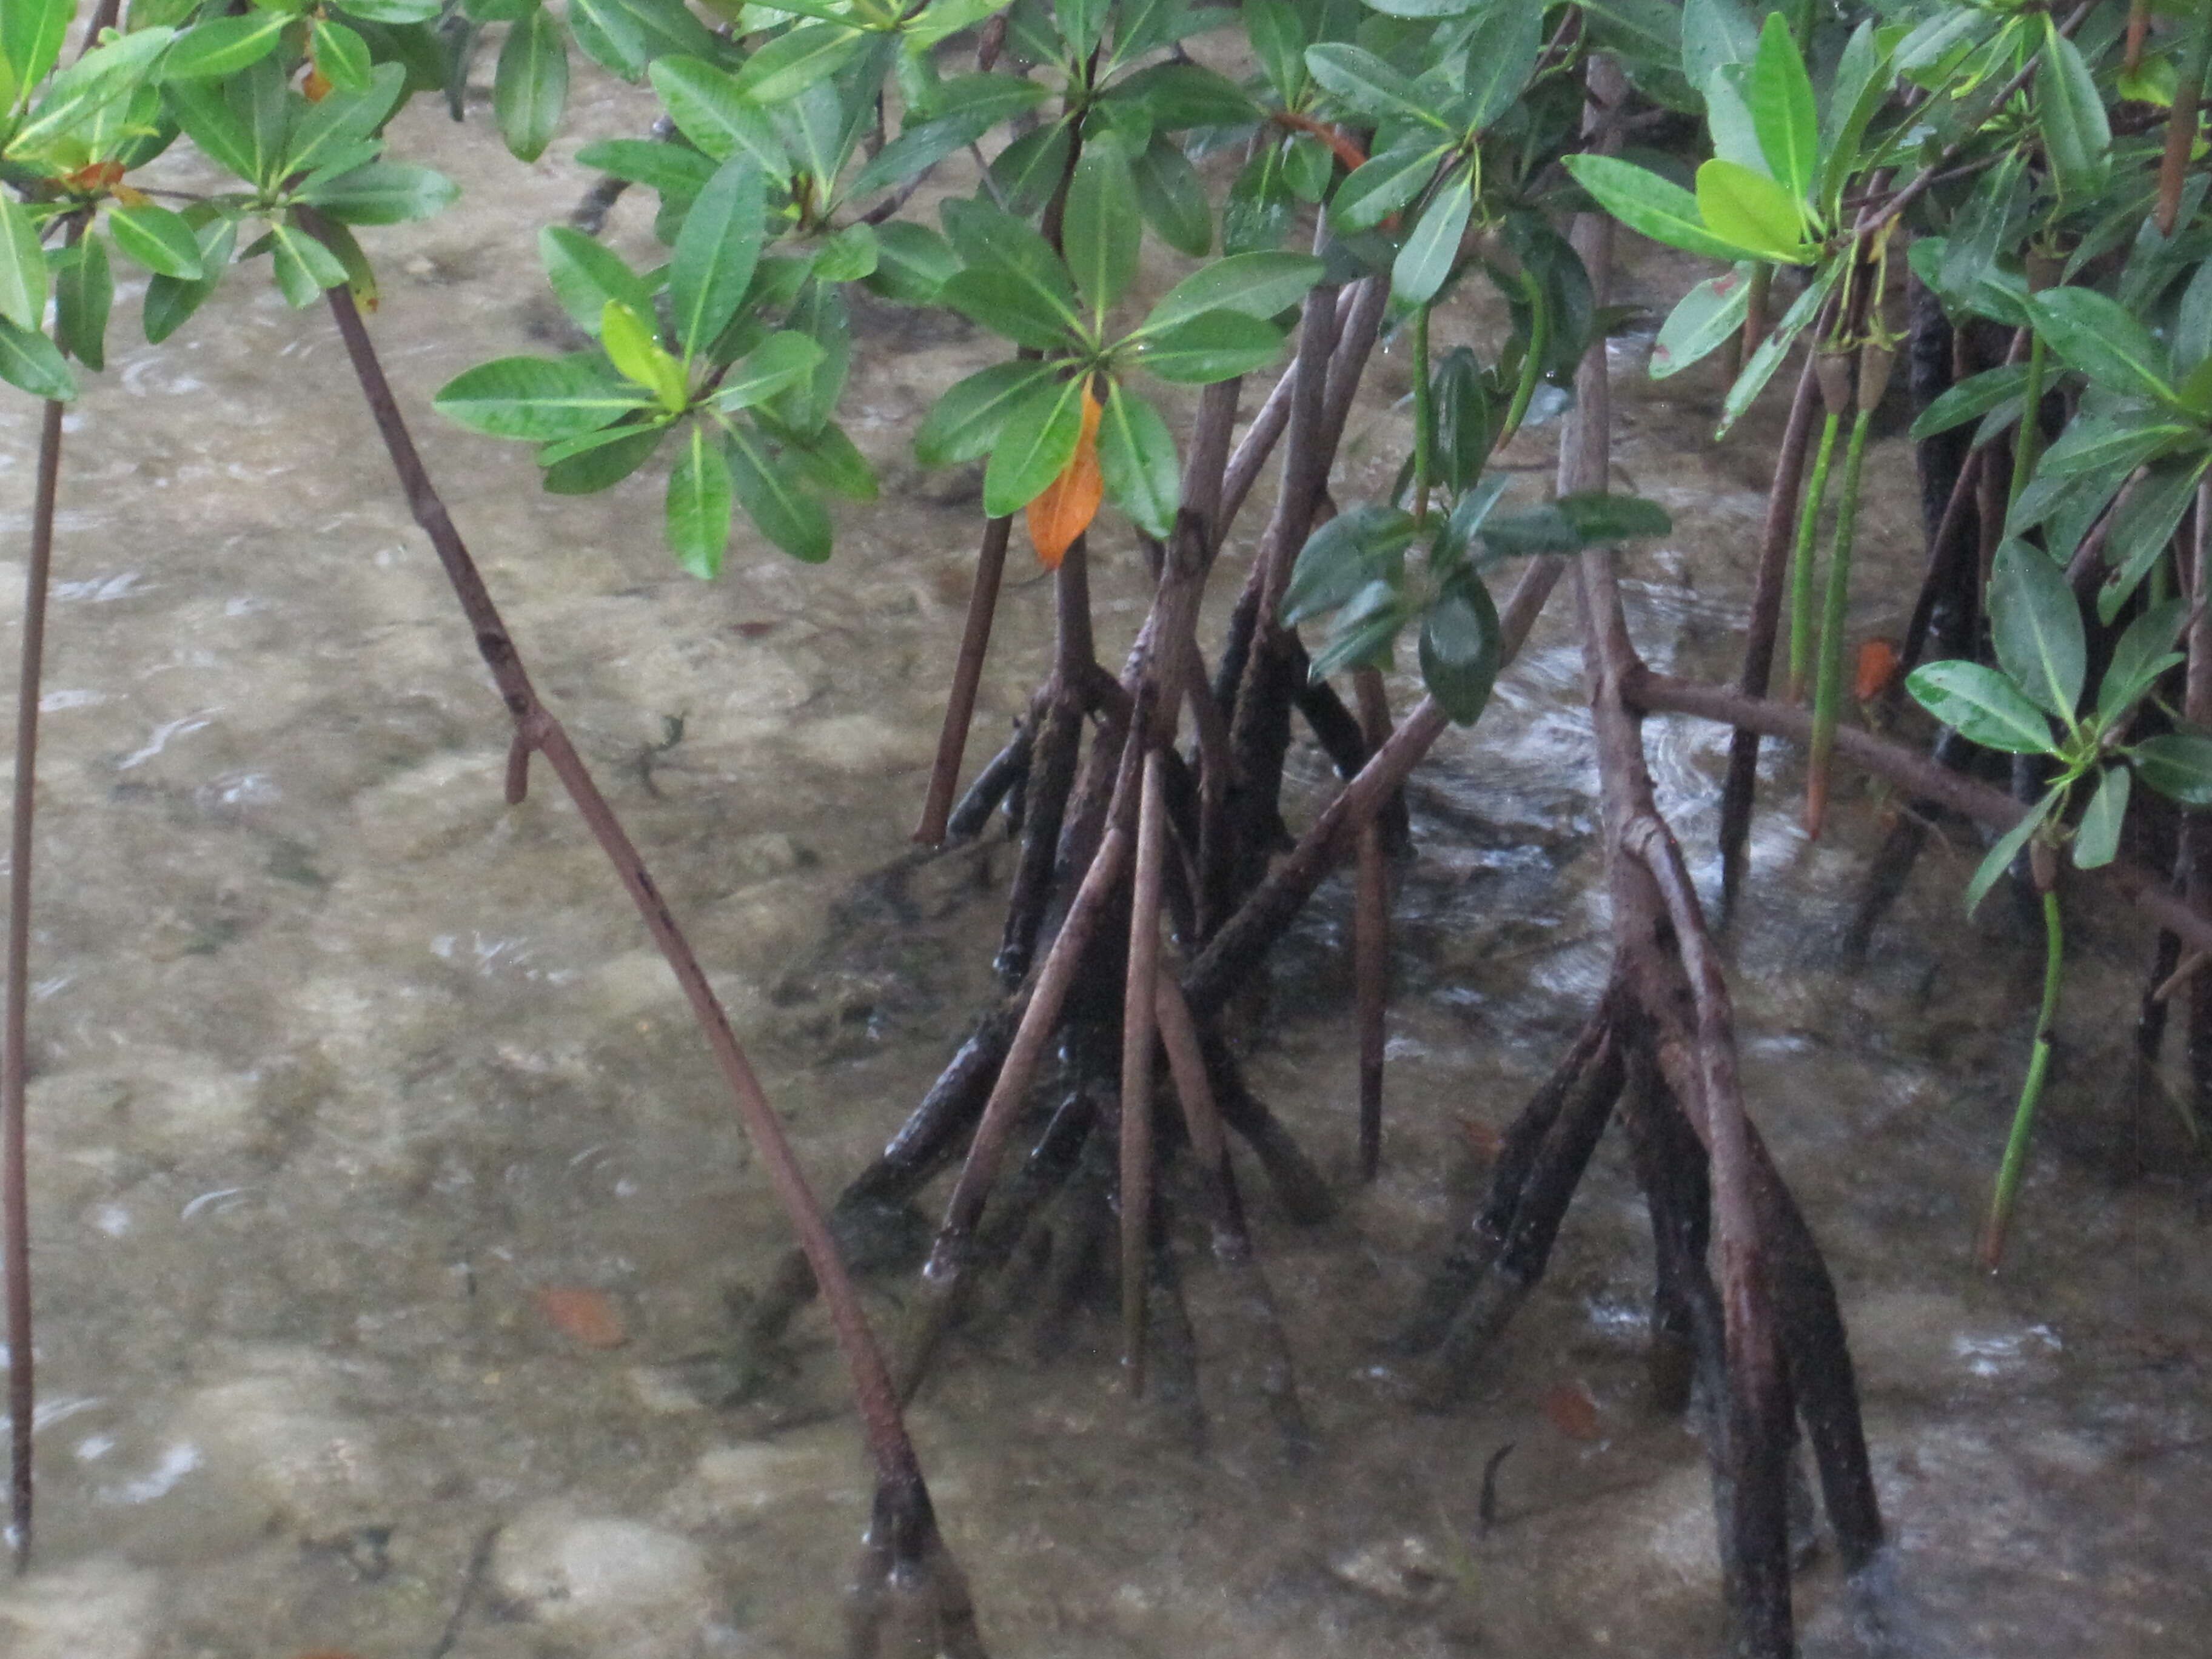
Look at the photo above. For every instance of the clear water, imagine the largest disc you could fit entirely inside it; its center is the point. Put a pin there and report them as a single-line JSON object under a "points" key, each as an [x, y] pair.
{"points": [[340, 1062]]}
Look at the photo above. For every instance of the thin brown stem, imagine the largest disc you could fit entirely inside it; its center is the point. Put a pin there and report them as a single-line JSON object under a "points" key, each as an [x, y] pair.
{"points": [[14, 1174], [1136, 1032], [967, 676]]}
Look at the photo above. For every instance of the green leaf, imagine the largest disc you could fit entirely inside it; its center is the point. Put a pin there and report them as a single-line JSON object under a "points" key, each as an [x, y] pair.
{"points": [[913, 262], [157, 238], [1363, 544], [223, 45], [2097, 842], [1983, 705], [530, 89], [1214, 345], [97, 79], [1137, 462], [394, 11], [2143, 524], [1261, 204], [1038, 441], [773, 500], [585, 274], [709, 110], [780, 362], [962, 111], [1776, 346], [1460, 649], [1004, 301], [1384, 183], [305, 268], [169, 302], [2037, 628], [84, 291], [968, 420], [31, 35], [631, 348], [2078, 139], [1702, 321], [341, 54], [2178, 765], [1257, 284], [1278, 40], [1971, 399], [1365, 631], [538, 399], [676, 171], [828, 460], [1783, 111], [2098, 443], [22, 266], [1102, 229], [1426, 260], [610, 36], [1714, 32], [1369, 85], [1597, 517], [847, 255], [30, 360], [322, 134], [715, 254], [1178, 96], [1861, 87], [787, 65], [1752, 212], [1172, 198], [384, 193], [2145, 652], [700, 500], [2000, 857], [207, 122], [1649, 205], [599, 460], [1501, 52], [2098, 336]]}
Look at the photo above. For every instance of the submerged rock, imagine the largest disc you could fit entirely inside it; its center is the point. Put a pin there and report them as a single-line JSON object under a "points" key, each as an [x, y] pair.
{"points": [[625, 1587]]}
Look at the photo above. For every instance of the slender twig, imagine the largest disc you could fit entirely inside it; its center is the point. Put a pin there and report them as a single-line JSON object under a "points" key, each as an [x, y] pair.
{"points": [[1136, 1032], [15, 1175], [903, 1496], [967, 676]]}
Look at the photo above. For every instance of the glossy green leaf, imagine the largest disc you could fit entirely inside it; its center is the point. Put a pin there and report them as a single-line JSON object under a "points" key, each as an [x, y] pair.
{"points": [[968, 420], [1102, 229], [2142, 526], [1649, 205], [1364, 632], [827, 460], [1137, 462], [585, 274], [599, 460], [715, 253], [1001, 301], [610, 36], [538, 399], [1971, 399], [780, 362], [707, 108], [1703, 320], [384, 193], [223, 45], [790, 64], [1214, 345], [1597, 517], [1501, 52], [1363, 544], [1369, 85], [1278, 40], [1783, 110], [631, 348], [1178, 96], [1384, 183], [1776, 346], [2000, 857], [768, 490], [1257, 284], [22, 266], [84, 292], [1460, 649], [530, 87], [30, 360], [1751, 212], [913, 262], [2078, 139], [2098, 336], [157, 238], [304, 268], [1859, 90], [2145, 653], [103, 76], [340, 55], [2037, 627], [170, 302], [1172, 198], [1714, 32], [31, 35], [2178, 765], [1425, 262], [1038, 441], [700, 502], [2097, 841], [1261, 205], [2100, 443], [321, 134], [677, 172], [1982, 705]]}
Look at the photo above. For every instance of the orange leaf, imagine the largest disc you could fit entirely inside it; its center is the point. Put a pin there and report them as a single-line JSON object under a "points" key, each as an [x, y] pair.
{"points": [[1069, 501], [1878, 667], [590, 1317], [1572, 1411], [316, 87]]}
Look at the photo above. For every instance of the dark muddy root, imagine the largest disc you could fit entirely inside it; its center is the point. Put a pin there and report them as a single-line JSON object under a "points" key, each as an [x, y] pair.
{"points": [[909, 1598]]}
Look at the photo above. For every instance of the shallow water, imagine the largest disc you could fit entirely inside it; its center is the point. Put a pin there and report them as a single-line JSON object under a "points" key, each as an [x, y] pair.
{"points": [[341, 1064]]}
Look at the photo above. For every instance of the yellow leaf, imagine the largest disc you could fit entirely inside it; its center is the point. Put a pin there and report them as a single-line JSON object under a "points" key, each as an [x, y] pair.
{"points": [[1069, 501]]}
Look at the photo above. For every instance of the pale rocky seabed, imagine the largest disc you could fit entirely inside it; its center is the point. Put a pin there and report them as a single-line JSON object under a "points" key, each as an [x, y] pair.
{"points": [[339, 1062]]}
